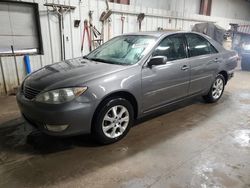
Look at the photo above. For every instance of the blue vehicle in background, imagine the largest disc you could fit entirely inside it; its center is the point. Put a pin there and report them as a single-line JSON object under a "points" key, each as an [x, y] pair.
{"points": [[245, 54], [241, 43]]}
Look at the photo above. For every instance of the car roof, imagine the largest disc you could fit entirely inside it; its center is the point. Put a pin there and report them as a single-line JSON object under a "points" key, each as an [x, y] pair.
{"points": [[156, 33], [159, 34]]}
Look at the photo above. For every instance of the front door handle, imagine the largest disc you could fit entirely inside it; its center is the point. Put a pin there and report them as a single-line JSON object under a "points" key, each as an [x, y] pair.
{"points": [[184, 67]]}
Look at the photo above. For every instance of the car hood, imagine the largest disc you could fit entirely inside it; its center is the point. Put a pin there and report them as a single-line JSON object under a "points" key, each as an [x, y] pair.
{"points": [[70, 73]]}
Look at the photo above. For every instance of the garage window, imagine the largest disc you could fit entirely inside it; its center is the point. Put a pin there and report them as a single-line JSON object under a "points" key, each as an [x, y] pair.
{"points": [[20, 28], [125, 2]]}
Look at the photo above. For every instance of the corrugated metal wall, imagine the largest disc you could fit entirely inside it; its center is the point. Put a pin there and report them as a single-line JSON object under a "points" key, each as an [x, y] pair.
{"points": [[51, 38]]}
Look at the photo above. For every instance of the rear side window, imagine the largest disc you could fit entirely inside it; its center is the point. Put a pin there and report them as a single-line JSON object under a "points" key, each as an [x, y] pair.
{"points": [[199, 45], [173, 47]]}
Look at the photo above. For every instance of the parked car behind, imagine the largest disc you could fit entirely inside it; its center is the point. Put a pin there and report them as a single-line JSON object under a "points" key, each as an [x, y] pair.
{"points": [[126, 78]]}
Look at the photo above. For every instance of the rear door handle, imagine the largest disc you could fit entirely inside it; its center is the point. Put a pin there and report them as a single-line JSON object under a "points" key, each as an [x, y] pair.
{"points": [[184, 67]]}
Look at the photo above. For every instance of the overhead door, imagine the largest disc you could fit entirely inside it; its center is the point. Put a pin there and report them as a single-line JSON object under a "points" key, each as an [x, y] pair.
{"points": [[19, 28]]}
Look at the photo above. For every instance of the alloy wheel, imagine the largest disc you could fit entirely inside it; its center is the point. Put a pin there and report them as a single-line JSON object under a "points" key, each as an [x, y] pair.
{"points": [[217, 88], [115, 121]]}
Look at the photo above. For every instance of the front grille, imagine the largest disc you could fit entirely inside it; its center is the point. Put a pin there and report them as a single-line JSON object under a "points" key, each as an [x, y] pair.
{"points": [[30, 93]]}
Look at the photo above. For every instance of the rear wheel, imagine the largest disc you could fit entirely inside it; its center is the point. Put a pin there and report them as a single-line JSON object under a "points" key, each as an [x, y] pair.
{"points": [[216, 90], [113, 121]]}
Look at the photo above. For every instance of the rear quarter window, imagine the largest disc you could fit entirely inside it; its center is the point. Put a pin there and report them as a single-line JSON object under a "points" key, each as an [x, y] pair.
{"points": [[198, 45]]}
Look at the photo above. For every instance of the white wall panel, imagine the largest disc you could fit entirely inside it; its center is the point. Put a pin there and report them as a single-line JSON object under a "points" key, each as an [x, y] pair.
{"points": [[47, 49], [9, 71], [76, 32], [2, 86], [54, 32], [67, 32], [235, 9]]}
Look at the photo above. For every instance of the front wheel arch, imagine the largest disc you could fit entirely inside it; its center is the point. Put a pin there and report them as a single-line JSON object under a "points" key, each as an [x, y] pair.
{"points": [[119, 94], [99, 131]]}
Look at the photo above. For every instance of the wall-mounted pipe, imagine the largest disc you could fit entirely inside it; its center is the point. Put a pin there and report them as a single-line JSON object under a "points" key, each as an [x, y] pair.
{"points": [[27, 64], [161, 16], [14, 55]]}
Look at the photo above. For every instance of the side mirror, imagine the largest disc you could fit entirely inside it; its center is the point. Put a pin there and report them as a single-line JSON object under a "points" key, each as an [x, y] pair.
{"points": [[157, 60]]}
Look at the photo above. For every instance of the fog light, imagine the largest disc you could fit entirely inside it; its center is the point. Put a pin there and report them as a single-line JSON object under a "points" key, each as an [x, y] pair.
{"points": [[56, 128]]}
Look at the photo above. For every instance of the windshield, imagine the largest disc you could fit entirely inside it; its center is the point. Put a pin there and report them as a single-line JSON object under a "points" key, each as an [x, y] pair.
{"points": [[124, 50]]}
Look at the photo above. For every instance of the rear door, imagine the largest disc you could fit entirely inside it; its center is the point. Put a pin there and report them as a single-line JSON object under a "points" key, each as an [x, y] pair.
{"points": [[204, 62], [165, 83]]}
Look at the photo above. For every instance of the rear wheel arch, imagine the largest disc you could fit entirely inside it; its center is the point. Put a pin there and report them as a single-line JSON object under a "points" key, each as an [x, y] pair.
{"points": [[216, 89], [225, 75]]}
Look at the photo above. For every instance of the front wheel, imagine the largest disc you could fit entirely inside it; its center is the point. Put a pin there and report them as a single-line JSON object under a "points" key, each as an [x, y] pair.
{"points": [[216, 90], [113, 121]]}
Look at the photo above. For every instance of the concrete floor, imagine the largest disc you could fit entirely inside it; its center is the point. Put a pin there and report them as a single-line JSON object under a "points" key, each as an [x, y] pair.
{"points": [[193, 144]]}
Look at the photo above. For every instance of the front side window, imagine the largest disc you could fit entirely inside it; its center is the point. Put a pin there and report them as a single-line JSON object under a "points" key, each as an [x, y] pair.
{"points": [[173, 47], [124, 50], [199, 45]]}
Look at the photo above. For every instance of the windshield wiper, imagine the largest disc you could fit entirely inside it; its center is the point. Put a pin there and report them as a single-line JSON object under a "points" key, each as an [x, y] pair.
{"points": [[101, 60]]}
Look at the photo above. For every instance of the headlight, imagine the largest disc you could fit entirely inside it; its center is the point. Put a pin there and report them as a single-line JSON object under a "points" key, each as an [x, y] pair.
{"points": [[60, 95]]}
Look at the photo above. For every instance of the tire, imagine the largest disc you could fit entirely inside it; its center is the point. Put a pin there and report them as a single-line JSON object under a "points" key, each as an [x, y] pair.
{"points": [[216, 90], [108, 127]]}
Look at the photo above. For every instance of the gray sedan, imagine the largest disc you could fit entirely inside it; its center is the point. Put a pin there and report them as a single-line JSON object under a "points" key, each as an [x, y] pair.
{"points": [[126, 78]]}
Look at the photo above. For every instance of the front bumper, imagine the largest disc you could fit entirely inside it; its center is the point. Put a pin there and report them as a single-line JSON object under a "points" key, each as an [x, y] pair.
{"points": [[76, 114]]}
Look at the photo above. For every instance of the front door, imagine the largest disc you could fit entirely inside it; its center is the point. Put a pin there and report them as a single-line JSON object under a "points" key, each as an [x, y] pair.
{"points": [[165, 83]]}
